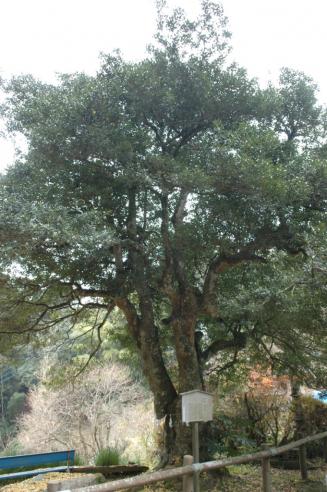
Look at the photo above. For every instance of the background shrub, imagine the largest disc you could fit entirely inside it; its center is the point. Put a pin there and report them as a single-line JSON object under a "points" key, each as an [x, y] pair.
{"points": [[108, 457]]}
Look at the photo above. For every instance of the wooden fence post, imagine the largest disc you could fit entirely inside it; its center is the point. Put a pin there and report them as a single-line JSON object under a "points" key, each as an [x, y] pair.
{"points": [[266, 475], [303, 462], [188, 479]]}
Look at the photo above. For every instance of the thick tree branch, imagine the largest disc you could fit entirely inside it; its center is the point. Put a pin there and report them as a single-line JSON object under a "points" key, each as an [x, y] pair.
{"points": [[156, 131], [218, 265], [219, 370], [179, 211], [132, 318], [131, 218], [97, 327], [177, 250], [280, 238], [238, 342], [183, 137], [167, 274]]}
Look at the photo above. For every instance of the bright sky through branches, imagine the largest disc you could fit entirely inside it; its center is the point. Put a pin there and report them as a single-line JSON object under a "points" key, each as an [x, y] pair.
{"points": [[43, 37]]}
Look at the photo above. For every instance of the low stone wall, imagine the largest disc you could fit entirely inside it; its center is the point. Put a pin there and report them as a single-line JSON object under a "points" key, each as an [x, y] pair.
{"points": [[72, 483]]}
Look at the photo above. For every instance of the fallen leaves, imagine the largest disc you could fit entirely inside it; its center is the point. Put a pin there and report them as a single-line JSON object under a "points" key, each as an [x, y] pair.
{"points": [[247, 478], [37, 484]]}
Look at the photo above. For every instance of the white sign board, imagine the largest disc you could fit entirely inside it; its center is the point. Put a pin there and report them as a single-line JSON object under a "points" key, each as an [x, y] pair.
{"points": [[197, 406]]}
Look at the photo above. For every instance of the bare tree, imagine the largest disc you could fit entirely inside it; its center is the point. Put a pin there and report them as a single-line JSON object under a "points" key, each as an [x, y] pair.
{"points": [[105, 407]]}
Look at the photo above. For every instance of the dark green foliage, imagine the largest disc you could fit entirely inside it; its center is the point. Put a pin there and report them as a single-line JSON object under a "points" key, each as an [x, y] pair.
{"points": [[78, 460], [18, 373], [230, 437], [108, 457], [12, 449], [16, 405], [313, 419], [313, 413]]}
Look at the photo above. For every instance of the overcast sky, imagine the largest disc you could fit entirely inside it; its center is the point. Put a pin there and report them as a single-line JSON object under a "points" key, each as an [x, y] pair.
{"points": [[43, 37]]}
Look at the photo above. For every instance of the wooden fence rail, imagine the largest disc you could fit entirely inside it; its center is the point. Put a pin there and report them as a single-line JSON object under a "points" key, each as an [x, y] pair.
{"points": [[174, 473]]}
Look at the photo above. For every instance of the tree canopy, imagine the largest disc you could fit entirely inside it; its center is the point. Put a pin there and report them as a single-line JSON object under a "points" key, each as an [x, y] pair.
{"points": [[175, 190]]}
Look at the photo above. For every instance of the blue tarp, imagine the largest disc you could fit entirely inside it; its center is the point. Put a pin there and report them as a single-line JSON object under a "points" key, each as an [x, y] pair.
{"points": [[28, 460], [320, 395]]}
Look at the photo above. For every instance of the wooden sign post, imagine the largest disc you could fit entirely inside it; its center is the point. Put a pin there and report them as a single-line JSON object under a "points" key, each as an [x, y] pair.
{"points": [[197, 406]]}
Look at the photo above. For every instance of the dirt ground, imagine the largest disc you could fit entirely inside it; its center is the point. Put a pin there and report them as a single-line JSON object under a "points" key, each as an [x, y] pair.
{"points": [[247, 478]]}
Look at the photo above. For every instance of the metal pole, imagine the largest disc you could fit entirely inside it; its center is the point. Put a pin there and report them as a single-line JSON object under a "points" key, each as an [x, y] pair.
{"points": [[196, 454]]}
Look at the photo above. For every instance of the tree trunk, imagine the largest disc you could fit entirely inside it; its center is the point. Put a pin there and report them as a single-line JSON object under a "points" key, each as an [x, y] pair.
{"points": [[178, 436], [188, 359], [154, 369], [299, 416], [146, 337]]}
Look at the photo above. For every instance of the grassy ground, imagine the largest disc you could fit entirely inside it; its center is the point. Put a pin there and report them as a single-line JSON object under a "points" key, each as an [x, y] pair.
{"points": [[247, 478]]}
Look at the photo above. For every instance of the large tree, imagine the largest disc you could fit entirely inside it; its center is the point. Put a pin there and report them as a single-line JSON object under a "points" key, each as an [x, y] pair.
{"points": [[150, 188]]}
